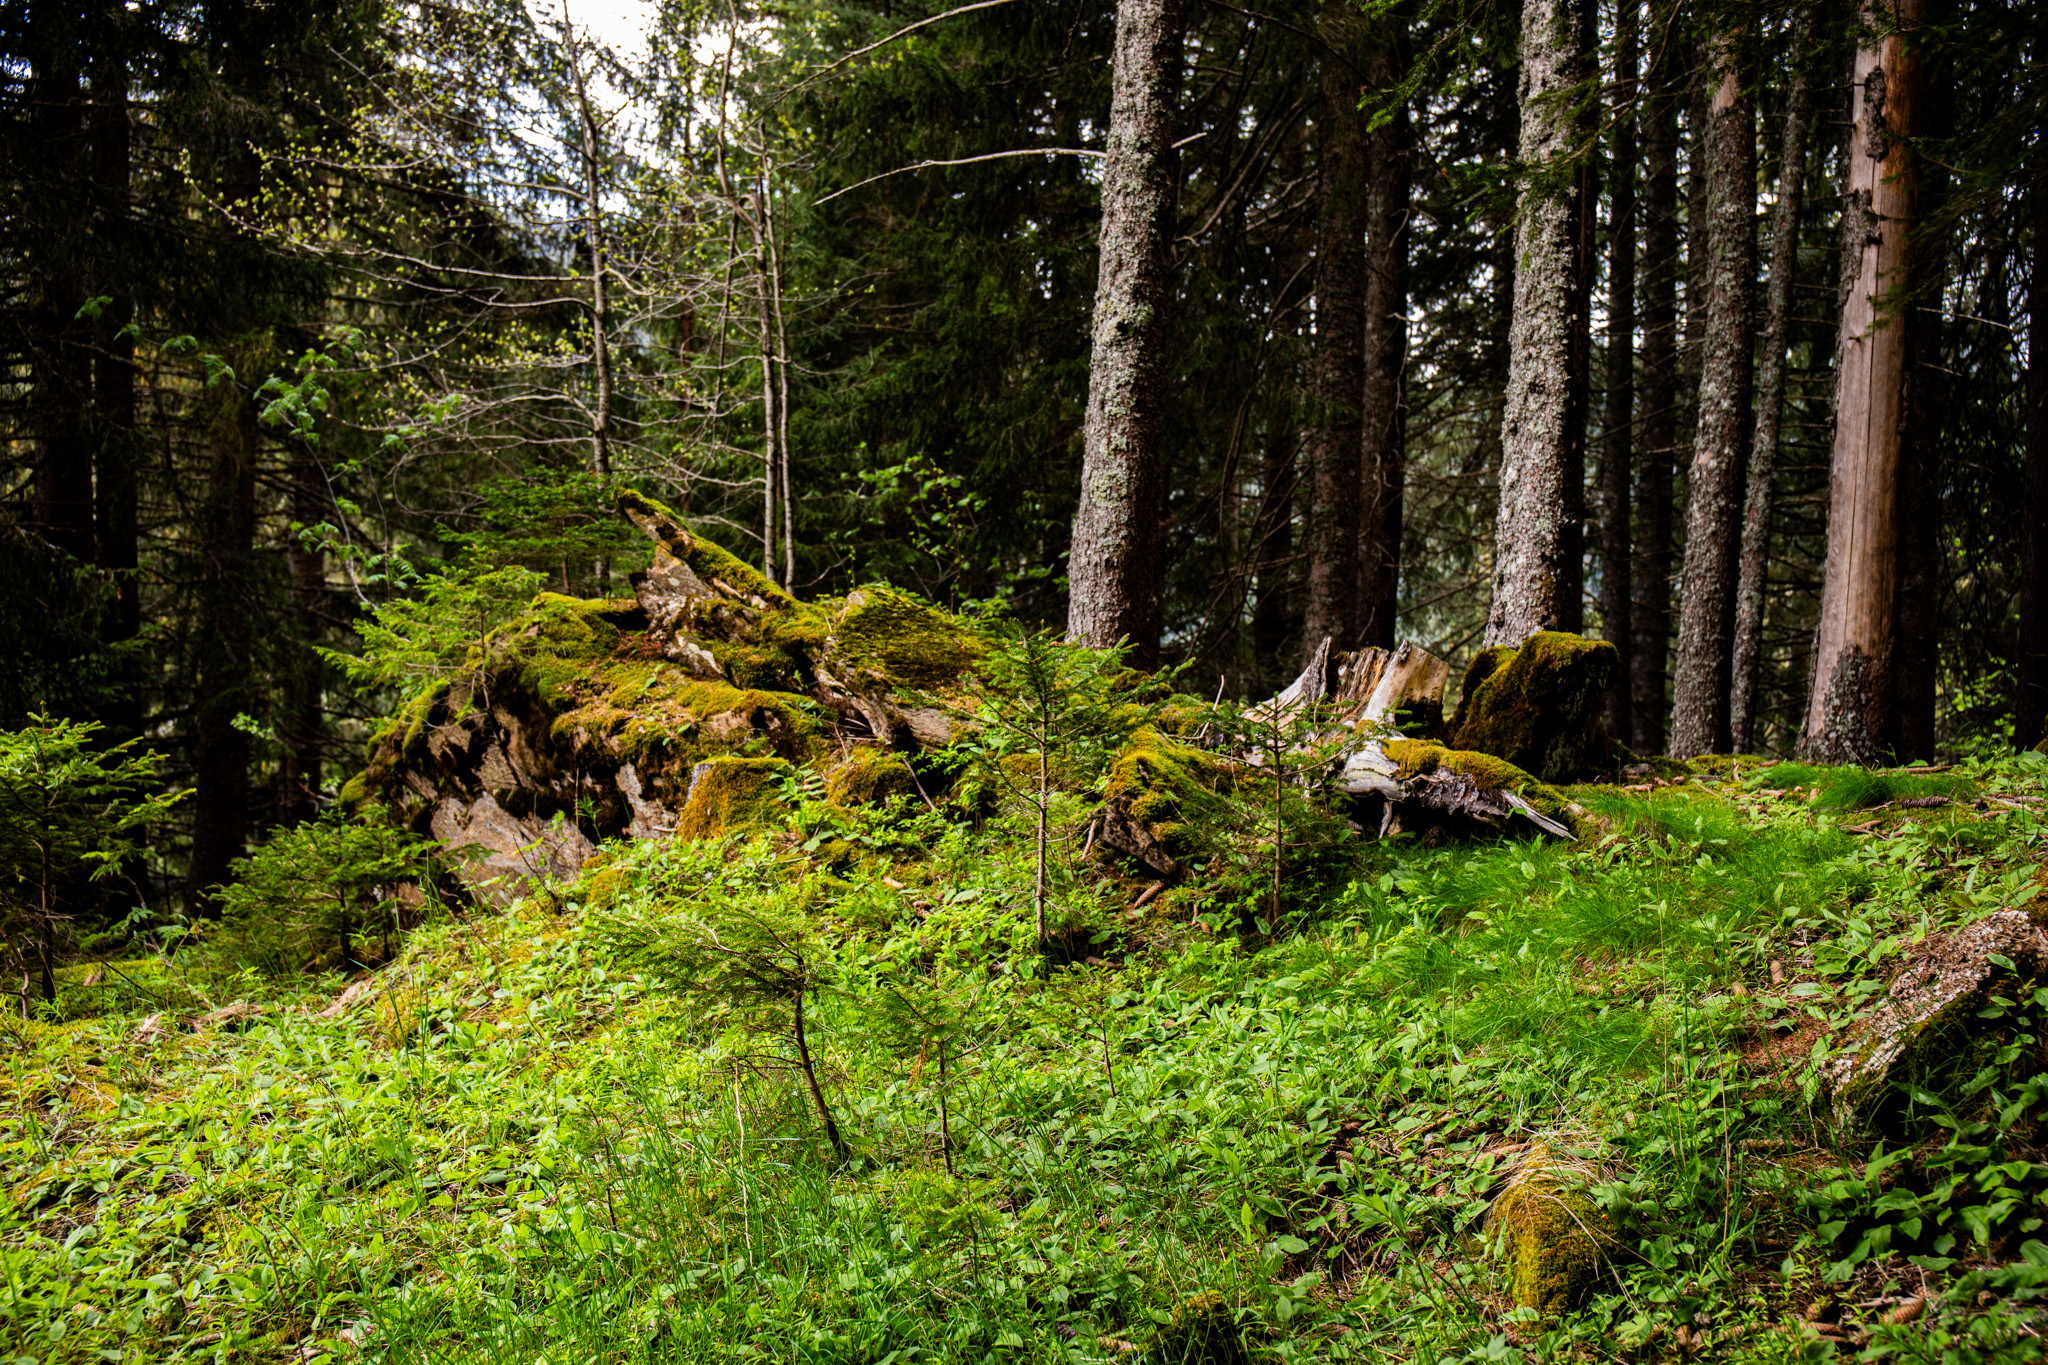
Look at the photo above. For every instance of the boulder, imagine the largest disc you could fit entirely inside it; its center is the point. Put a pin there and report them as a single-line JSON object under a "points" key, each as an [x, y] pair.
{"points": [[1538, 706], [1555, 1239], [1928, 1022]]}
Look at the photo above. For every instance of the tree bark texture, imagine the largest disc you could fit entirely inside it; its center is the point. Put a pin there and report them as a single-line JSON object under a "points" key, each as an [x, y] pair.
{"points": [[1657, 412], [1852, 689], [1332, 442], [115, 529], [60, 364], [304, 730], [1385, 406], [1536, 536], [1113, 568], [1723, 431], [220, 763], [1747, 665], [1617, 441], [2031, 709]]}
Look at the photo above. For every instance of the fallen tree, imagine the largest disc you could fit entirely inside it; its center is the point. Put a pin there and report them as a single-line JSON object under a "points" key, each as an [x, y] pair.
{"points": [[684, 710]]}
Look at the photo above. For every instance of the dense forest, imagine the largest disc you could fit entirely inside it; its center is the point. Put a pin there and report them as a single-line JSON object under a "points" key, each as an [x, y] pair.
{"points": [[1037, 679]]}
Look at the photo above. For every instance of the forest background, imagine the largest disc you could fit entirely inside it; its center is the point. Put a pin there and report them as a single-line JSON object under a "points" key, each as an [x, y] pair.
{"points": [[314, 308]]}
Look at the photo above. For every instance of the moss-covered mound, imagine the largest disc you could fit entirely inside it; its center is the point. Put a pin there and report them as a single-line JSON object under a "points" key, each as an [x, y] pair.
{"points": [[1538, 706], [732, 796], [905, 641], [1555, 1239], [1152, 783]]}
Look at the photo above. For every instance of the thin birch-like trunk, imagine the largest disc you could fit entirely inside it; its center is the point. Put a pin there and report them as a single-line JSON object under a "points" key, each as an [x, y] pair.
{"points": [[1851, 695], [600, 298], [1757, 512], [1113, 565], [1721, 439]]}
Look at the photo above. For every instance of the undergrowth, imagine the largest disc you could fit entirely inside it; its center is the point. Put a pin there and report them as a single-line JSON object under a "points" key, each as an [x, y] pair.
{"points": [[522, 1142]]}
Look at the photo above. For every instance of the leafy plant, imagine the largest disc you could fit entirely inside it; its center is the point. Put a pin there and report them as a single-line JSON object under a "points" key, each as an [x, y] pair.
{"points": [[411, 644]]}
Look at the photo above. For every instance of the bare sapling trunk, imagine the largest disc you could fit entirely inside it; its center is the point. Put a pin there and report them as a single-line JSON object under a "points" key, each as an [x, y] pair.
{"points": [[1657, 411], [2031, 713], [1617, 441], [1536, 536], [1332, 442], [1770, 412], [1113, 566], [1852, 691], [810, 1070], [1721, 440], [1384, 413], [594, 235]]}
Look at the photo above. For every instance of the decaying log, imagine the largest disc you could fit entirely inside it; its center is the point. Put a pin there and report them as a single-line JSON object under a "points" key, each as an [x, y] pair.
{"points": [[1366, 691]]}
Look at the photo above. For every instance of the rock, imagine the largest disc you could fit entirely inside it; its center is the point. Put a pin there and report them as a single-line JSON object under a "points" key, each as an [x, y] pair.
{"points": [[1538, 706], [1554, 1237], [1928, 1017], [732, 795], [516, 853], [1150, 783]]}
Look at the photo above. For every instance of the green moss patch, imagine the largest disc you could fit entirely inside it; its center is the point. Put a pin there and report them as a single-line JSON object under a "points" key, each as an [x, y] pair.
{"points": [[1488, 773], [868, 775], [733, 795], [1538, 706], [709, 560], [1554, 1236], [908, 641]]}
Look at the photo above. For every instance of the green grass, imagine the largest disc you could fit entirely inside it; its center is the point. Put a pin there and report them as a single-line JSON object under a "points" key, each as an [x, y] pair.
{"points": [[513, 1149]]}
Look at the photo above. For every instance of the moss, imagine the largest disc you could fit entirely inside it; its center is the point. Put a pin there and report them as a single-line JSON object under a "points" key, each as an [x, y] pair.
{"points": [[1203, 1331], [731, 795], [1488, 773], [907, 641], [632, 707], [1538, 706], [1554, 1236], [707, 559], [868, 775]]}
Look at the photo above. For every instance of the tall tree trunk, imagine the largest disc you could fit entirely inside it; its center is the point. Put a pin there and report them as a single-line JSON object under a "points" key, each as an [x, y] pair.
{"points": [[1274, 605], [304, 731], [1852, 690], [113, 386], [1720, 458], [596, 241], [2031, 709], [1113, 566], [220, 764], [1617, 445], [1385, 407], [1332, 442], [60, 364], [1756, 517], [1650, 612], [1536, 538]]}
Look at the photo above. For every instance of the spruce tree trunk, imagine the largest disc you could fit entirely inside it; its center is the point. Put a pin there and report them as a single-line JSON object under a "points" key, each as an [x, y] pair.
{"points": [[1536, 535], [1385, 406], [226, 608], [1706, 622], [2031, 709], [1852, 688], [113, 385], [1113, 566], [1657, 413], [1757, 510], [60, 365], [1617, 444], [1332, 442], [304, 731]]}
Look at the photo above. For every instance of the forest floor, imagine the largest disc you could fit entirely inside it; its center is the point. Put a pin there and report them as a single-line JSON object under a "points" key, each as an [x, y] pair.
{"points": [[511, 1144]]}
